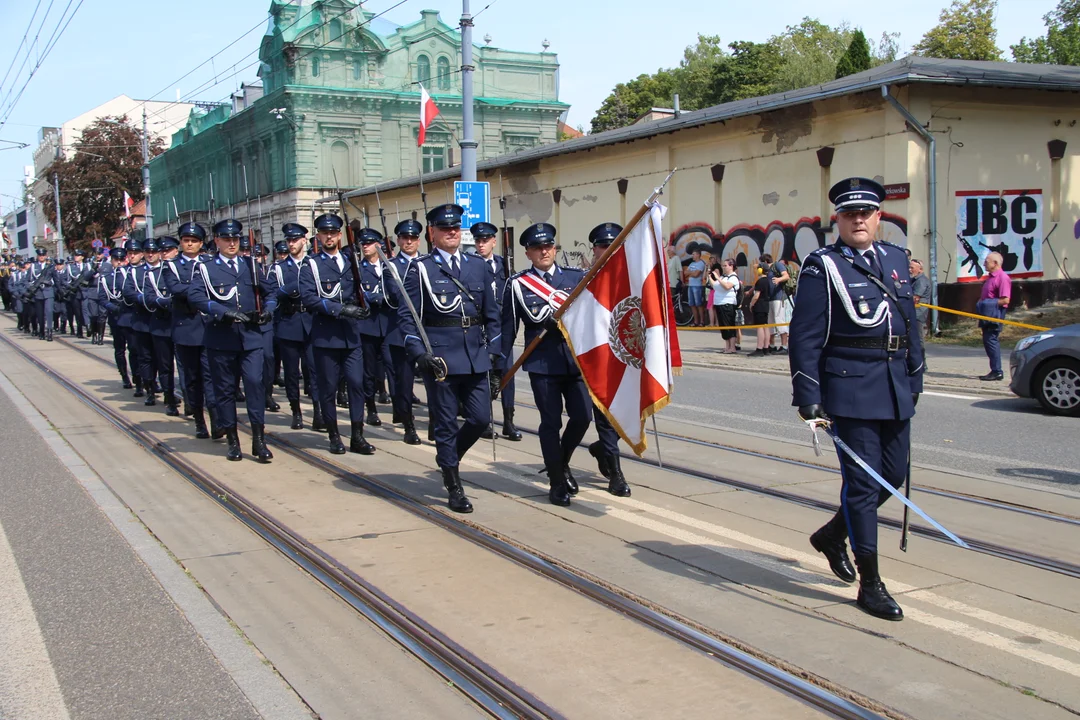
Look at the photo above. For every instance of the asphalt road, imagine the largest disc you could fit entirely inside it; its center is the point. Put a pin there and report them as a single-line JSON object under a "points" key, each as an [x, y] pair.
{"points": [[998, 437]]}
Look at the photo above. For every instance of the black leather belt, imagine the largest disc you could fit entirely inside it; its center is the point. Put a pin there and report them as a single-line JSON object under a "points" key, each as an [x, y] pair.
{"points": [[892, 343], [448, 321]]}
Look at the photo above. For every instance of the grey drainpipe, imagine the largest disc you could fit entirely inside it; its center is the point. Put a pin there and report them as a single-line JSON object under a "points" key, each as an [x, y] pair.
{"points": [[931, 204]]}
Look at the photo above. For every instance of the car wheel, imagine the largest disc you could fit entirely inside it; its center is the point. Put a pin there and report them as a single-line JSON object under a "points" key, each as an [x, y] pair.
{"points": [[1057, 386]]}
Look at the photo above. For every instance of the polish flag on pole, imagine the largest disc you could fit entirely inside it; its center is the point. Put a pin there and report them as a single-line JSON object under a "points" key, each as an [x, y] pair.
{"points": [[128, 204], [428, 111], [621, 329]]}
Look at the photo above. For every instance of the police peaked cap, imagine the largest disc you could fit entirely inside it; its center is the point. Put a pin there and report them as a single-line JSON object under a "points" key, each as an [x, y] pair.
{"points": [[245, 242], [168, 242], [605, 233], [79, 252], [133, 246], [328, 223], [228, 228], [856, 193], [191, 229], [58, 261], [484, 230], [151, 245], [409, 227], [446, 216], [118, 253], [281, 246], [292, 231], [538, 234], [366, 236], [42, 251]]}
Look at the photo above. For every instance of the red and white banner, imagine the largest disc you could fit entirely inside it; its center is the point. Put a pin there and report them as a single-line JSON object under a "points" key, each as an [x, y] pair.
{"points": [[621, 330], [128, 204], [428, 112]]}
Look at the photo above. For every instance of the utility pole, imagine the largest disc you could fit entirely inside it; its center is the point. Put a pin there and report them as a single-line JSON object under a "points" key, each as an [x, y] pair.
{"points": [[59, 223], [146, 176], [468, 143]]}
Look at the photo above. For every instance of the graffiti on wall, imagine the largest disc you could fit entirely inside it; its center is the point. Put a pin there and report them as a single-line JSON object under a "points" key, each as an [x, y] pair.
{"points": [[787, 241]]}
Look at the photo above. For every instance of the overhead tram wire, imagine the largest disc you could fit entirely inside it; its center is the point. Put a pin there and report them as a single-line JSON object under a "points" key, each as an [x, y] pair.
{"points": [[44, 53], [22, 42]]}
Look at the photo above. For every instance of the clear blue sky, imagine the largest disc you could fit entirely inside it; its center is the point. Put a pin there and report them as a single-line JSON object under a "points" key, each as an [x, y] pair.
{"points": [[102, 54]]}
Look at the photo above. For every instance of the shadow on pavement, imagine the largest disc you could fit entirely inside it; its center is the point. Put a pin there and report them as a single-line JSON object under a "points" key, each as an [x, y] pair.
{"points": [[1061, 477]]}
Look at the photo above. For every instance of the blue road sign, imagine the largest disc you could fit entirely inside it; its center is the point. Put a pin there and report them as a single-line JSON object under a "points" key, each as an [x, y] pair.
{"points": [[96, 243], [475, 197]]}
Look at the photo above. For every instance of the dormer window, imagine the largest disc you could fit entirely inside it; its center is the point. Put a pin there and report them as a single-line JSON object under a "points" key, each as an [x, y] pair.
{"points": [[314, 67], [335, 30], [444, 73], [423, 69]]}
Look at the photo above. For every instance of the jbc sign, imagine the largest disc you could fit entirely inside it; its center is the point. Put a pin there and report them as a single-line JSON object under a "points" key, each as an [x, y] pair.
{"points": [[1008, 222]]}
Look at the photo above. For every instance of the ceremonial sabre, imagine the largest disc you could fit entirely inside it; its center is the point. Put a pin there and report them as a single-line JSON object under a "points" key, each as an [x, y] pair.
{"points": [[827, 427], [440, 369]]}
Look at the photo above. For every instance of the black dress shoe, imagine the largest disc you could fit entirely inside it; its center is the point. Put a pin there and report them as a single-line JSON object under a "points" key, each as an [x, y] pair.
{"points": [[991, 376], [336, 446], [150, 400], [571, 481], [558, 493], [188, 410], [602, 462], [411, 438], [127, 385], [201, 433], [138, 392], [233, 453], [509, 430], [297, 416], [171, 411], [456, 499], [488, 433], [372, 417], [272, 405], [382, 398], [617, 484], [873, 597], [258, 444], [835, 551], [358, 443]]}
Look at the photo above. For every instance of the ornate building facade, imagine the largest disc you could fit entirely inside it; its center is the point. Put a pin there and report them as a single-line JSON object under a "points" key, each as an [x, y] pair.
{"points": [[340, 97]]}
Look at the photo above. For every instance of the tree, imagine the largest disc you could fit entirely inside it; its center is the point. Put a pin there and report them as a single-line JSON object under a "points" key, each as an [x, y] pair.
{"points": [[693, 77], [809, 52], [628, 101], [857, 57], [965, 31], [107, 161], [750, 71], [1061, 45], [886, 49]]}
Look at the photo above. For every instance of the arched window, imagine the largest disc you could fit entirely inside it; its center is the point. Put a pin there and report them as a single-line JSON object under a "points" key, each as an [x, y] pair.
{"points": [[314, 67], [444, 73], [423, 69], [357, 69], [339, 162]]}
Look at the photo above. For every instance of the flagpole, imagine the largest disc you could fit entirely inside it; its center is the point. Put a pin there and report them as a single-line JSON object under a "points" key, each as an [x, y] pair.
{"points": [[656, 437], [596, 267]]}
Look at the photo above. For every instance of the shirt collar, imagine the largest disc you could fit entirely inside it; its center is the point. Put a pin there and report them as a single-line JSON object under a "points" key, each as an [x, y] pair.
{"points": [[553, 270], [446, 256]]}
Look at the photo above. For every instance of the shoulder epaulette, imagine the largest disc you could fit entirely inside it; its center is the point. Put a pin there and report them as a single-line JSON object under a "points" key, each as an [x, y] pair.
{"points": [[892, 244], [519, 273]]}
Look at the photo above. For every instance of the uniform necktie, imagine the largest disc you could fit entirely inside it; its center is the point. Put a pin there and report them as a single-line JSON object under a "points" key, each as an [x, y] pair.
{"points": [[492, 263], [232, 266], [547, 278], [454, 266], [872, 260]]}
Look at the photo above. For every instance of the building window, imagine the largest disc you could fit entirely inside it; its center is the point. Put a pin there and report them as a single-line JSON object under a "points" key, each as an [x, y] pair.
{"points": [[340, 165], [444, 73], [357, 69], [20, 218], [24, 239], [434, 158], [335, 30], [423, 69], [314, 67]]}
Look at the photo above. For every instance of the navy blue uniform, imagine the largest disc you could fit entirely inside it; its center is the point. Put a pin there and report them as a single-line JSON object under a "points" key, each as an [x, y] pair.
{"points": [[292, 330], [497, 265], [235, 349], [42, 279], [463, 328], [403, 366], [867, 391], [188, 329], [375, 329], [111, 297], [553, 373]]}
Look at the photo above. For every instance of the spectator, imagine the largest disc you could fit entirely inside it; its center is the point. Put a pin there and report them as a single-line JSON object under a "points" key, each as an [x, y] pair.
{"points": [[920, 289], [695, 273], [993, 301], [713, 292], [674, 269], [778, 314], [726, 290], [759, 307]]}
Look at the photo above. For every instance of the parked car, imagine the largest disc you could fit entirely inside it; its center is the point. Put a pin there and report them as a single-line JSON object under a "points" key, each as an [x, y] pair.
{"points": [[1047, 367]]}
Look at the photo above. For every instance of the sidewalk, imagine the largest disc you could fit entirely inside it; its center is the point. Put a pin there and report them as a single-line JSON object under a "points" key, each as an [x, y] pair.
{"points": [[949, 367]]}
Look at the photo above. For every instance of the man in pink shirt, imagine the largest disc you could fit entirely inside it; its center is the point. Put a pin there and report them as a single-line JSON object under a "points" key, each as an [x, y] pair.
{"points": [[993, 301]]}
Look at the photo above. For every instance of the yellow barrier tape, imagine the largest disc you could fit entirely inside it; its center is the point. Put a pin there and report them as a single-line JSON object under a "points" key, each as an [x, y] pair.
{"points": [[732, 327], [1038, 328]]}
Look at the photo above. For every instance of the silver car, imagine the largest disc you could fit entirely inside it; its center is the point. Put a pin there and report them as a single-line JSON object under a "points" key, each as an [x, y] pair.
{"points": [[1047, 367]]}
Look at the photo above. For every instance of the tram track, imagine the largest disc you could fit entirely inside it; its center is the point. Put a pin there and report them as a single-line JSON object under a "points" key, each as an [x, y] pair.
{"points": [[481, 683]]}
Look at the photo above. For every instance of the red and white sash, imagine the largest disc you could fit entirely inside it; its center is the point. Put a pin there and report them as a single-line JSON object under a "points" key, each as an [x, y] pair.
{"points": [[554, 298]]}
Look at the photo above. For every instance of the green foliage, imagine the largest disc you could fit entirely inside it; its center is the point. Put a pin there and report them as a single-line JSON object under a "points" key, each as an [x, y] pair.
{"points": [[631, 100], [965, 31], [886, 49], [857, 57], [1061, 46], [106, 161], [750, 71], [810, 51]]}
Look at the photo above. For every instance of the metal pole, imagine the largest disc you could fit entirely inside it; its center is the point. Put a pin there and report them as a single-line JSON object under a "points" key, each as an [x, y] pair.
{"points": [[146, 176], [59, 221], [468, 143]]}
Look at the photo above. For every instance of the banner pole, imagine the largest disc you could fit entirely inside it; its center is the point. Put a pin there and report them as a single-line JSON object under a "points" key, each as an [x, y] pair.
{"points": [[656, 437]]}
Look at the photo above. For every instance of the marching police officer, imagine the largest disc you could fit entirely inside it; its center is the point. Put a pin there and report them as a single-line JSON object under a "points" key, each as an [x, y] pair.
{"points": [[857, 360], [328, 291], [79, 277], [453, 294], [142, 315], [375, 328], [189, 329], [261, 257], [408, 240], [111, 297], [606, 449], [293, 330], [154, 304], [227, 289], [41, 286], [484, 236], [531, 297]]}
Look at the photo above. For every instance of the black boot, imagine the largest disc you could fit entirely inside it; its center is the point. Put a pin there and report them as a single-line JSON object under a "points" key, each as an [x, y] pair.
{"points": [[271, 404], [317, 422], [617, 484], [509, 430], [411, 438], [170, 406], [559, 493], [372, 414], [602, 461], [457, 500], [830, 541], [430, 430], [297, 416], [336, 446], [359, 444], [234, 445], [138, 387], [216, 433], [48, 338], [489, 432], [157, 388], [258, 444], [201, 432], [150, 400], [382, 398], [126, 379], [188, 410], [873, 597]]}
